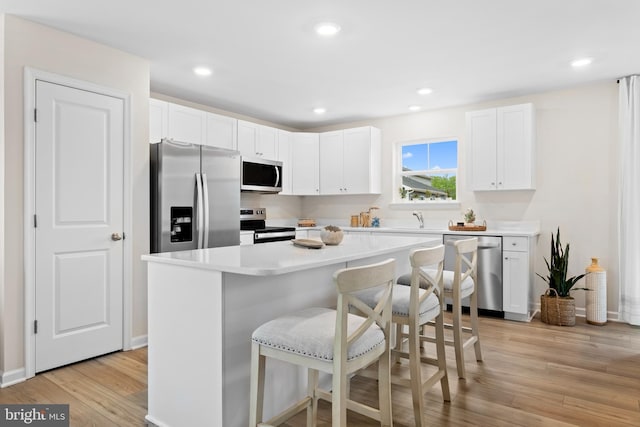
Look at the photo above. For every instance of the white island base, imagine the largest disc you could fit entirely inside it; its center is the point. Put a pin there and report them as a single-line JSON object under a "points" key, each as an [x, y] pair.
{"points": [[204, 305]]}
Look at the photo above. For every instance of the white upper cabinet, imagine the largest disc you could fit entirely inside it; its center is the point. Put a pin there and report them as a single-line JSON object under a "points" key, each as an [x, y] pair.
{"points": [[305, 164], [332, 162], [502, 148], [350, 161], [222, 131], [185, 124], [158, 117], [256, 140], [284, 155]]}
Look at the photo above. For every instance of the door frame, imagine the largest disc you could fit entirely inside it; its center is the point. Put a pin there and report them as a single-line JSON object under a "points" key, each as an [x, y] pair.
{"points": [[31, 75]]}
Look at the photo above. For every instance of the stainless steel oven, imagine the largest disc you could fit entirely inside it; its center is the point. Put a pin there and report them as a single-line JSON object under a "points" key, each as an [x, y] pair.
{"points": [[255, 219]]}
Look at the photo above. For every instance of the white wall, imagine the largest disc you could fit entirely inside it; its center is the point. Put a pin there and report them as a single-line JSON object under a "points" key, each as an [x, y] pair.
{"points": [[43, 48], [577, 187]]}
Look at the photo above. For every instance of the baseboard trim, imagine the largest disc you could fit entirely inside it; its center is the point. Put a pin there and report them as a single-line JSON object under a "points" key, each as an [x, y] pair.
{"points": [[139, 342], [612, 316], [12, 377]]}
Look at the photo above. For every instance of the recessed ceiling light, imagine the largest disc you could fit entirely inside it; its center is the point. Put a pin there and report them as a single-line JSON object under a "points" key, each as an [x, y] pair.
{"points": [[319, 110], [425, 91], [202, 71], [327, 29], [414, 108], [582, 62]]}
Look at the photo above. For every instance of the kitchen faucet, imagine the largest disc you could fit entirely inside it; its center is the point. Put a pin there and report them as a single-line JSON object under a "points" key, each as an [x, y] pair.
{"points": [[420, 219]]}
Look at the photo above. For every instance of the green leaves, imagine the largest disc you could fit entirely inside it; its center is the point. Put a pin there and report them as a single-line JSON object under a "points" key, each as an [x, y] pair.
{"points": [[558, 268]]}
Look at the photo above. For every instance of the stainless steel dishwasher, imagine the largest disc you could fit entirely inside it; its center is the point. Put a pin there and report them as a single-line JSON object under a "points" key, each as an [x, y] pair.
{"points": [[489, 286]]}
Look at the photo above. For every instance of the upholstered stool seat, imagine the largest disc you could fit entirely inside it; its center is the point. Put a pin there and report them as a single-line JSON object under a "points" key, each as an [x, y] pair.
{"points": [[466, 287], [311, 333], [428, 309]]}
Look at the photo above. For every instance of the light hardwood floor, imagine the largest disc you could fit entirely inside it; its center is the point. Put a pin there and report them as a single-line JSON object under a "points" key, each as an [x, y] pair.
{"points": [[533, 374]]}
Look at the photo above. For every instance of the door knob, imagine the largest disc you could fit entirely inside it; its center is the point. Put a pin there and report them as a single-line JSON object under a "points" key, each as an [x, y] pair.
{"points": [[116, 236]]}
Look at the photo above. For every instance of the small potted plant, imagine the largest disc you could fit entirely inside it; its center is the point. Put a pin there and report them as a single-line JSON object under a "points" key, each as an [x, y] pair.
{"points": [[331, 235], [557, 306], [469, 216], [403, 192]]}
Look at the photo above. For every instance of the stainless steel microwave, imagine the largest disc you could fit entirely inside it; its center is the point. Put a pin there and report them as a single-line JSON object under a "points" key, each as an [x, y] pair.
{"points": [[261, 175]]}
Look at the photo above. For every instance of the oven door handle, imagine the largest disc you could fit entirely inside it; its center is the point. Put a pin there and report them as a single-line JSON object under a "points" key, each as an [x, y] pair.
{"points": [[277, 176]]}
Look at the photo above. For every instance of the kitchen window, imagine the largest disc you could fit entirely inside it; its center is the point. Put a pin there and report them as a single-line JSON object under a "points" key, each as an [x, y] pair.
{"points": [[426, 171]]}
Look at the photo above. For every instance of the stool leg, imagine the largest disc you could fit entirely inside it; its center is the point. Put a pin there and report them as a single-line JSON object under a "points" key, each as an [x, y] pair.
{"points": [[415, 371], [339, 396], [457, 336], [442, 355], [474, 325], [312, 386], [384, 388], [256, 394], [398, 345]]}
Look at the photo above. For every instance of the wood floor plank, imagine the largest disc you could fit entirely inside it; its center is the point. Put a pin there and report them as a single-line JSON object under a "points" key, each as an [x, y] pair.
{"points": [[533, 375]]}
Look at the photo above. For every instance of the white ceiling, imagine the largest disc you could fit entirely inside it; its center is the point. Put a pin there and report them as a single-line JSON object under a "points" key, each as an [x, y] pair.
{"points": [[269, 64]]}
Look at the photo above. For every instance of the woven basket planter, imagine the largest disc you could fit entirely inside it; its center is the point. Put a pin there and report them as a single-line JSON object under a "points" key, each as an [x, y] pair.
{"points": [[556, 310]]}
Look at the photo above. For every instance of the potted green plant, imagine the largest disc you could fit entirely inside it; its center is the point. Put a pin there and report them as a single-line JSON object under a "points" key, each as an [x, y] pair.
{"points": [[557, 306]]}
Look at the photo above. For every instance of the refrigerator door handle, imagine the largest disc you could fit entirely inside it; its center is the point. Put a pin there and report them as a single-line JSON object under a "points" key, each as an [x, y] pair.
{"points": [[205, 197], [200, 210], [277, 176]]}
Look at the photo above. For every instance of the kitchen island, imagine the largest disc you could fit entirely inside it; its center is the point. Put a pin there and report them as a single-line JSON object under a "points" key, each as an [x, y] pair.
{"points": [[204, 305]]}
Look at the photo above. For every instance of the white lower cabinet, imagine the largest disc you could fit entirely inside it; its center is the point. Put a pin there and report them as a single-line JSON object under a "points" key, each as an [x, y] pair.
{"points": [[517, 278]]}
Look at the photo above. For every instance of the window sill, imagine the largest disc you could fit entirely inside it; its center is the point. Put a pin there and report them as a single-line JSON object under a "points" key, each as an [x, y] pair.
{"points": [[426, 204]]}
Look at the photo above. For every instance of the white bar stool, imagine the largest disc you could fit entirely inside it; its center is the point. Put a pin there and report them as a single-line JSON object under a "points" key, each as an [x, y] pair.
{"points": [[332, 341], [457, 285], [414, 306]]}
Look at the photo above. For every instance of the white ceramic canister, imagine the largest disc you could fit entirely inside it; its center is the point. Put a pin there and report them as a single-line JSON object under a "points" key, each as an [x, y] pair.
{"points": [[596, 296]]}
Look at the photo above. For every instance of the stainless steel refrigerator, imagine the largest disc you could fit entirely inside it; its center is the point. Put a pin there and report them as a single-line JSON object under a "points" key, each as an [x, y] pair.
{"points": [[195, 197]]}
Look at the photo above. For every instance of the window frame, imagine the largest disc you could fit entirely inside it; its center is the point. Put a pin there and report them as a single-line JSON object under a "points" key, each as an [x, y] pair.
{"points": [[398, 173]]}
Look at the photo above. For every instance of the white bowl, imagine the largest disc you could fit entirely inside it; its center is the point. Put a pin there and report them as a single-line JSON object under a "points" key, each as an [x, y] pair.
{"points": [[331, 237]]}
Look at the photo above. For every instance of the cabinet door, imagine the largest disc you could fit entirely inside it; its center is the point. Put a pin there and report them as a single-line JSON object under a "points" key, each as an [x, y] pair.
{"points": [[331, 162], [305, 164], [284, 155], [358, 159], [186, 124], [515, 282], [267, 142], [481, 137], [222, 131], [158, 115], [515, 154], [247, 136]]}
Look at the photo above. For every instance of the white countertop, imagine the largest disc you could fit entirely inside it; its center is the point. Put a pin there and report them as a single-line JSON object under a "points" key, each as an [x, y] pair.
{"points": [[268, 259], [431, 231]]}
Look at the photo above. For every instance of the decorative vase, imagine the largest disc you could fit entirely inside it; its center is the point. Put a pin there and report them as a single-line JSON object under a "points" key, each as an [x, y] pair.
{"points": [[331, 237], [596, 296], [555, 310]]}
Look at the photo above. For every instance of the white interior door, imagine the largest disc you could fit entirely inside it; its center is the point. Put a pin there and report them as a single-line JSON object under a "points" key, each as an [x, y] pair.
{"points": [[79, 205]]}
